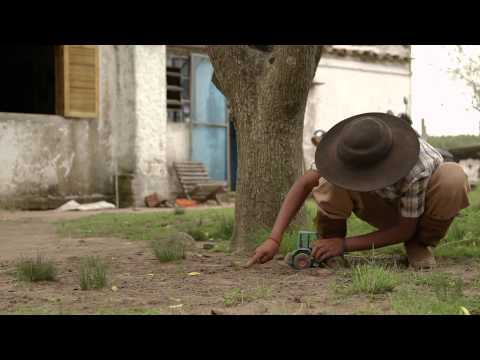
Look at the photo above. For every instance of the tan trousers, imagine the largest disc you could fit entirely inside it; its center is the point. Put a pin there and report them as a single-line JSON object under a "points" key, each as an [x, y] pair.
{"points": [[447, 195]]}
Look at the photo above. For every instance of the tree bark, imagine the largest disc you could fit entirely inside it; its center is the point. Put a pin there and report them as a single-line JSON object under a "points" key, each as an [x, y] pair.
{"points": [[267, 86]]}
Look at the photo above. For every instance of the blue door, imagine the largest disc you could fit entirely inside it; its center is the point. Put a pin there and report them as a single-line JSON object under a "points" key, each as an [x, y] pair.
{"points": [[209, 120]]}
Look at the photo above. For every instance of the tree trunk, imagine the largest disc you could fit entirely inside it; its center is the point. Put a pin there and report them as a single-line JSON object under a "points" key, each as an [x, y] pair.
{"points": [[267, 86]]}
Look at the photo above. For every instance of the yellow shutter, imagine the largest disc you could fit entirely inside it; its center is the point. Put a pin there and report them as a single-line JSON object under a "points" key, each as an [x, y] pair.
{"points": [[77, 81]]}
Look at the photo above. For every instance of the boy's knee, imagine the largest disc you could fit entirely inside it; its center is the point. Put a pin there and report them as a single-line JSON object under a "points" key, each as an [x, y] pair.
{"points": [[448, 193], [332, 201], [452, 178]]}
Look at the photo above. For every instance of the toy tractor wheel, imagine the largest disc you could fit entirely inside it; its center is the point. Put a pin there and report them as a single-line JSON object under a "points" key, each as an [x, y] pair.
{"points": [[288, 258], [302, 261]]}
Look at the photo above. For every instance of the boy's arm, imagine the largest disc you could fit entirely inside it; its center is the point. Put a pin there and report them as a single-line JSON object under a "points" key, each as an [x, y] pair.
{"points": [[293, 202], [412, 207], [402, 232], [290, 207]]}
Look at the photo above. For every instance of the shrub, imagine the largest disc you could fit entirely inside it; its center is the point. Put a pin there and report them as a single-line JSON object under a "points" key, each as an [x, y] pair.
{"points": [[168, 250]]}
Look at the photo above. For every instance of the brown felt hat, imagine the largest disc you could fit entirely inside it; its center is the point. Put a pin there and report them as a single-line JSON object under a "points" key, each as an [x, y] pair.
{"points": [[368, 152]]}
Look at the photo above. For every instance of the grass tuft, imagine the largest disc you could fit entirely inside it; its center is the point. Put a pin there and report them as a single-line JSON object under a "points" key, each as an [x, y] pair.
{"points": [[93, 274], [372, 280], [179, 211], [35, 270], [224, 227], [168, 250], [197, 234], [236, 296]]}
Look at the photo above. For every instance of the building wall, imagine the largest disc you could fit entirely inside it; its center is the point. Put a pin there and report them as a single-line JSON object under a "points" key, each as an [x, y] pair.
{"points": [[178, 149], [151, 123], [344, 88], [472, 169], [48, 159]]}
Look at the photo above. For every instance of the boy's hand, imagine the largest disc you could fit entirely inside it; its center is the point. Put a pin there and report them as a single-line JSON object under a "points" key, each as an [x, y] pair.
{"points": [[328, 248], [264, 253]]}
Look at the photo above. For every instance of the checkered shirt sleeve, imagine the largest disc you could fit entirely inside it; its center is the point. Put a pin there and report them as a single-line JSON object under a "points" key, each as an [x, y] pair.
{"points": [[412, 202]]}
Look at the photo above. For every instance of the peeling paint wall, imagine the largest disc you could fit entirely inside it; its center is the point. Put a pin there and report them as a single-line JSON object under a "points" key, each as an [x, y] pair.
{"points": [[47, 159]]}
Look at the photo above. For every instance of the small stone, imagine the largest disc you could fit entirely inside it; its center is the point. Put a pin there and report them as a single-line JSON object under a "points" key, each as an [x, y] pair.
{"points": [[153, 201], [208, 246], [217, 312]]}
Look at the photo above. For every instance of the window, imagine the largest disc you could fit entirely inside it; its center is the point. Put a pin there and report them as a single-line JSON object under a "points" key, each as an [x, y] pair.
{"points": [[77, 69], [178, 88], [41, 79], [27, 76]]}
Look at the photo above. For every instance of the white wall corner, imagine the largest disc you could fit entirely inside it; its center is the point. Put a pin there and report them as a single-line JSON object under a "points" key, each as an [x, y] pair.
{"points": [[151, 122]]}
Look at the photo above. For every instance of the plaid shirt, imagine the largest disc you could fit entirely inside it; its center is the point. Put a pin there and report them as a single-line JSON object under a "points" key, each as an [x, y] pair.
{"points": [[412, 189]]}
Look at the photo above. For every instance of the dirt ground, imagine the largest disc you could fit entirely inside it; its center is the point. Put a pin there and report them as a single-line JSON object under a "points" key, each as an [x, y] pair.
{"points": [[147, 287]]}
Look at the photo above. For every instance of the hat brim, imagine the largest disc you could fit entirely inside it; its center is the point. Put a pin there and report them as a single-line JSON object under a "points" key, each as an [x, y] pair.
{"points": [[401, 160]]}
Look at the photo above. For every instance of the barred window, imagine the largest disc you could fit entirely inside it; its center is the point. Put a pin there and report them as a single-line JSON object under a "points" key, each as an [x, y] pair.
{"points": [[178, 88]]}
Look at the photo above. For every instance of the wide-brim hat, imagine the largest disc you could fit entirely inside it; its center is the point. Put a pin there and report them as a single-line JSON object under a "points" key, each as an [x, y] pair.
{"points": [[368, 152]]}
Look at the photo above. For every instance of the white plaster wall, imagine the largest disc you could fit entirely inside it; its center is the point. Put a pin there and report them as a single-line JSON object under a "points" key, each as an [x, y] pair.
{"points": [[151, 122], [47, 158], [351, 88], [472, 169]]}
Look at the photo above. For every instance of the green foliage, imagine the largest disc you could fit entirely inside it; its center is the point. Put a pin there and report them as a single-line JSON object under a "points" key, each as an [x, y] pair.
{"points": [[35, 270], [213, 223], [224, 226], [93, 274], [463, 238], [452, 142], [222, 247], [197, 234], [468, 70]]}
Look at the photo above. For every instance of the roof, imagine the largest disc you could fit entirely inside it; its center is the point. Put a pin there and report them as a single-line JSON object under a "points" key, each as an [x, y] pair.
{"points": [[376, 53]]}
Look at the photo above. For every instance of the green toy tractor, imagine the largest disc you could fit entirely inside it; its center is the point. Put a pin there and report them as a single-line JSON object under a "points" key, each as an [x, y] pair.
{"points": [[301, 258]]}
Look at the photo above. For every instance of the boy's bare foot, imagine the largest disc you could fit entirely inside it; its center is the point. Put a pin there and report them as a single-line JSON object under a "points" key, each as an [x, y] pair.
{"points": [[420, 257]]}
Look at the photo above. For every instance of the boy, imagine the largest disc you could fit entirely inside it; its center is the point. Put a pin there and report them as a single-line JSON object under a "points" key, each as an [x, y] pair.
{"points": [[376, 166]]}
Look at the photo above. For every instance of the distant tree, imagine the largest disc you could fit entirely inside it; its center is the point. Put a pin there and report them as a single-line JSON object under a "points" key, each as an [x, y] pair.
{"points": [[468, 70]]}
